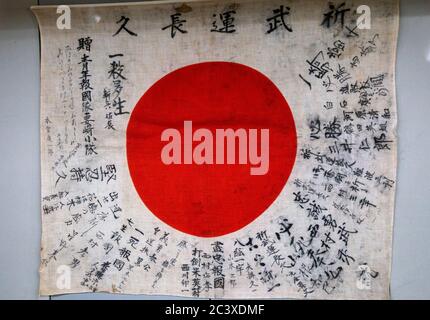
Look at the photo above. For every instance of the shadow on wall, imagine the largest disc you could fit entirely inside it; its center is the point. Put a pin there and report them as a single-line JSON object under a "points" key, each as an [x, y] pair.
{"points": [[16, 15]]}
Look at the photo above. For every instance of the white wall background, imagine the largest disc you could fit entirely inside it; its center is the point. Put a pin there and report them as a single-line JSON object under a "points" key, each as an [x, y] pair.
{"points": [[19, 154]]}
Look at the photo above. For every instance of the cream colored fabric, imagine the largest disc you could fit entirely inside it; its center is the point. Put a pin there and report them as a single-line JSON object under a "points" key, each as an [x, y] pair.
{"points": [[82, 237]]}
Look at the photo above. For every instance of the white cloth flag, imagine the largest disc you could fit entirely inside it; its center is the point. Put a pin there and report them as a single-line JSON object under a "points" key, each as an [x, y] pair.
{"points": [[239, 149]]}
